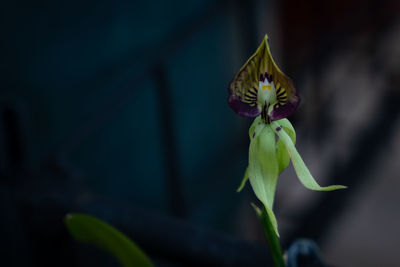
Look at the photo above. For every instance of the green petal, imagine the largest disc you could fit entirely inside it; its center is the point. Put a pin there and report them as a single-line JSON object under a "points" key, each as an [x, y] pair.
{"points": [[255, 128], [301, 169], [263, 168], [288, 127], [257, 122], [282, 153], [244, 180]]}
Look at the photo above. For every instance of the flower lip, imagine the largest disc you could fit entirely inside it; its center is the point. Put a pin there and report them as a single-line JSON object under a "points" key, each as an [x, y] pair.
{"points": [[259, 83]]}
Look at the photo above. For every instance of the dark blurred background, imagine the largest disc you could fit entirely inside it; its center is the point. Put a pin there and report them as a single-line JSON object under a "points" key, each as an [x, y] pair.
{"points": [[119, 109]]}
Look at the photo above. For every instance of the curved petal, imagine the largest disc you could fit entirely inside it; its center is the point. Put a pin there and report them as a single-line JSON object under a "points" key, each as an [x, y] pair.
{"points": [[282, 153], [301, 169]]}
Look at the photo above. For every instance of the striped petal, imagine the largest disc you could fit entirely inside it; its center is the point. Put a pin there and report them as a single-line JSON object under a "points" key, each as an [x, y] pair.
{"points": [[243, 90]]}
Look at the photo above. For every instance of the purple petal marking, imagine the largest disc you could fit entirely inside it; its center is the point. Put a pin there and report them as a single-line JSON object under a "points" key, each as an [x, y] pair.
{"points": [[268, 77], [265, 76], [286, 110], [241, 108]]}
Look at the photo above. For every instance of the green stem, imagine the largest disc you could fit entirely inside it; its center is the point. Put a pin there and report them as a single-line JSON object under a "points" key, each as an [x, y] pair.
{"points": [[272, 239]]}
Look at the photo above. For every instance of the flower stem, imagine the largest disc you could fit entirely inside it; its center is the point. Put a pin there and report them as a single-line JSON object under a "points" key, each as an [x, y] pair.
{"points": [[272, 239]]}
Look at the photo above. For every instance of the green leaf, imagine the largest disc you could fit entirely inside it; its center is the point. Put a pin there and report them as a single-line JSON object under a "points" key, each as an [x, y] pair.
{"points": [[301, 169], [282, 153], [263, 169], [88, 229], [244, 180]]}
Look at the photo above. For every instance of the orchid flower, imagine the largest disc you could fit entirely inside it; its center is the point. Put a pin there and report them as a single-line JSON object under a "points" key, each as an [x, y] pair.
{"points": [[261, 90]]}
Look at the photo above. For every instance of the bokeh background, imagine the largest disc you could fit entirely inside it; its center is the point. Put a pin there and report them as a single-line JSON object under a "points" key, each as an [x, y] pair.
{"points": [[119, 109]]}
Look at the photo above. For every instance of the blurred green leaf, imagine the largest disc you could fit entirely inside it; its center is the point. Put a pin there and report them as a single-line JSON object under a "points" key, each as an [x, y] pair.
{"points": [[90, 230]]}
